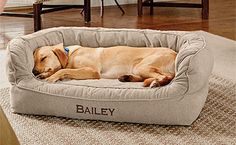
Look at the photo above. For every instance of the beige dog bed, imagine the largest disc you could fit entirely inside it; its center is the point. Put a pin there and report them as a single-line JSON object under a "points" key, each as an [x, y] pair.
{"points": [[178, 103]]}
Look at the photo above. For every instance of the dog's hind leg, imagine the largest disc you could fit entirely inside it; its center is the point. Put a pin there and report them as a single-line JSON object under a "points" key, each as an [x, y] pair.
{"points": [[154, 77]]}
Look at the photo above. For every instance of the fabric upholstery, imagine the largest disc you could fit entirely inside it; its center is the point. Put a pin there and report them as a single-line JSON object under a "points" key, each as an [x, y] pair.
{"points": [[179, 103]]}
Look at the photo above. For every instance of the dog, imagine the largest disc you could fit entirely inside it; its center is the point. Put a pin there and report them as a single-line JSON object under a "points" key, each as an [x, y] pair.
{"points": [[153, 66]]}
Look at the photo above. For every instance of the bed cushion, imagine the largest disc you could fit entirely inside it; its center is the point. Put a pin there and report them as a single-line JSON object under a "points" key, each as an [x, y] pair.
{"points": [[178, 103]]}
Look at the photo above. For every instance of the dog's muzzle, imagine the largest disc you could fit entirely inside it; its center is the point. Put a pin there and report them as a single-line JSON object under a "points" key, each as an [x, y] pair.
{"points": [[35, 72]]}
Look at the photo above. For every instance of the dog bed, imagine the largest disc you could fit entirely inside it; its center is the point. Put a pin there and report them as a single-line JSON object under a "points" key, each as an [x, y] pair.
{"points": [[178, 103]]}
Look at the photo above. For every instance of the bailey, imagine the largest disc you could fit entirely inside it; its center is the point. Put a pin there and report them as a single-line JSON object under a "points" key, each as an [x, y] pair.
{"points": [[94, 110]]}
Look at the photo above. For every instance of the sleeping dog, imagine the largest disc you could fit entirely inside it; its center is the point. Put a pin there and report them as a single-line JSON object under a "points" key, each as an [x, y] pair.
{"points": [[152, 66]]}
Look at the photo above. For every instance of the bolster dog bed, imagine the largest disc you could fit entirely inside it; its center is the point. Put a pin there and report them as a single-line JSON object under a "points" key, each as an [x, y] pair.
{"points": [[178, 103]]}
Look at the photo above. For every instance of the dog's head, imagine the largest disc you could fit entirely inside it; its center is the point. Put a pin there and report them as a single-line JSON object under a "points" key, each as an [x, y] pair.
{"points": [[48, 60]]}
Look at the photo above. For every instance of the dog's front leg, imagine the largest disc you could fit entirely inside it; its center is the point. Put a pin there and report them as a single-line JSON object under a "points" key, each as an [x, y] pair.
{"points": [[78, 74]]}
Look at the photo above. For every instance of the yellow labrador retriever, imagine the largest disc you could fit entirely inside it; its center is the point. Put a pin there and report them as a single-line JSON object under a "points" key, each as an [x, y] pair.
{"points": [[153, 66]]}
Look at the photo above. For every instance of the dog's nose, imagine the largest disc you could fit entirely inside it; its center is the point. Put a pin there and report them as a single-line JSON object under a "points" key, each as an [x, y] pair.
{"points": [[35, 72]]}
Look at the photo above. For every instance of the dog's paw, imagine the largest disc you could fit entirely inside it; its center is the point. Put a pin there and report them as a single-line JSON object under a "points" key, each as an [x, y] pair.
{"points": [[125, 78], [155, 84], [41, 76], [158, 83], [52, 79]]}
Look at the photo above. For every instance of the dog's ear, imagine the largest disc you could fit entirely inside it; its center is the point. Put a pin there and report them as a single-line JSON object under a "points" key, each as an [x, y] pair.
{"points": [[61, 55]]}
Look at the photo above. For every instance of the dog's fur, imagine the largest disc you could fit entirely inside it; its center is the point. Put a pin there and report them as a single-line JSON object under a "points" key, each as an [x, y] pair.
{"points": [[153, 66]]}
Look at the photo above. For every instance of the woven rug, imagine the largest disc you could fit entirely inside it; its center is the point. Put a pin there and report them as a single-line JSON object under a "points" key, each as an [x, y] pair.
{"points": [[215, 125]]}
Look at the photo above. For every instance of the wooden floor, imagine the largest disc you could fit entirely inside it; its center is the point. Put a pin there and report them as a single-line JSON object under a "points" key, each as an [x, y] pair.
{"points": [[7, 135], [222, 20]]}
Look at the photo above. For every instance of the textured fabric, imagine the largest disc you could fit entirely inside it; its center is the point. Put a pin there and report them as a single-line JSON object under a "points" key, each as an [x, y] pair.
{"points": [[216, 125], [180, 102]]}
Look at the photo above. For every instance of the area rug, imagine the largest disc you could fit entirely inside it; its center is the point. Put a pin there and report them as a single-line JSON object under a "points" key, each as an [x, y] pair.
{"points": [[215, 125]]}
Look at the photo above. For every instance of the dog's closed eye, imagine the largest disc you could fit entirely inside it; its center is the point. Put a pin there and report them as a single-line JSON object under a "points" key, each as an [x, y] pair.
{"points": [[42, 59]]}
